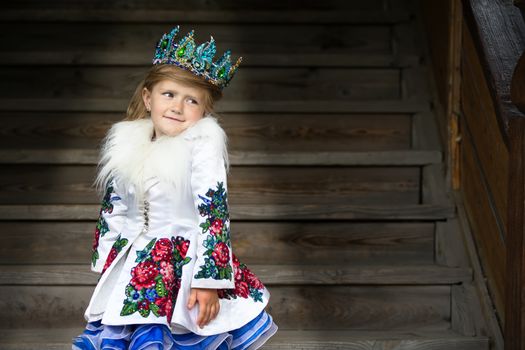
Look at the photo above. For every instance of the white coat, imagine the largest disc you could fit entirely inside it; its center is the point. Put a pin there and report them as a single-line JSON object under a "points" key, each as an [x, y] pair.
{"points": [[164, 227]]}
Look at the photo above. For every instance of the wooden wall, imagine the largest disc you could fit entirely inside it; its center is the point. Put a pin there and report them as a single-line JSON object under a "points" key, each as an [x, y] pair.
{"points": [[482, 165]]}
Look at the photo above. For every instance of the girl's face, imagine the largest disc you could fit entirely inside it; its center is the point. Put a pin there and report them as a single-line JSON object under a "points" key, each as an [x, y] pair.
{"points": [[174, 107]]}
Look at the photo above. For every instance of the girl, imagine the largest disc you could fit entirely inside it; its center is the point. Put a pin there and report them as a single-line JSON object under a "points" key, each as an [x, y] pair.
{"points": [[169, 279]]}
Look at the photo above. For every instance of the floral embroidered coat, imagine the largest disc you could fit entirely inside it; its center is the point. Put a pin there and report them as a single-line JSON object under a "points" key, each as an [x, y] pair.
{"points": [[164, 227]]}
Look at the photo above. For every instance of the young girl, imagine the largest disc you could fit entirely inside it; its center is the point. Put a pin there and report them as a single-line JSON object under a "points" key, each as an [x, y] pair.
{"points": [[169, 279]]}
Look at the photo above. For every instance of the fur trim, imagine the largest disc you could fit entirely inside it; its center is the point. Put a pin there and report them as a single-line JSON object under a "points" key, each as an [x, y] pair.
{"points": [[129, 155]]}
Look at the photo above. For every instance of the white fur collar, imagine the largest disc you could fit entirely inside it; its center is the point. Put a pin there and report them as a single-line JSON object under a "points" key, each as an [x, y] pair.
{"points": [[128, 153]]}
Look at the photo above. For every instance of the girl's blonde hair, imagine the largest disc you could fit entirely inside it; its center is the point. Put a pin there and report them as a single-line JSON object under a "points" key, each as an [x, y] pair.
{"points": [[137, 109]]}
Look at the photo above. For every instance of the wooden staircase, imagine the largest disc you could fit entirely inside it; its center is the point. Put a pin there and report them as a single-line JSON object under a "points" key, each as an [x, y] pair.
{"points": [[337, 192]]}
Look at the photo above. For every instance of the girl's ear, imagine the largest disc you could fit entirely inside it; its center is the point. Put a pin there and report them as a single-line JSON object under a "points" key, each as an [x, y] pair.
{"points": [[146, 97]]}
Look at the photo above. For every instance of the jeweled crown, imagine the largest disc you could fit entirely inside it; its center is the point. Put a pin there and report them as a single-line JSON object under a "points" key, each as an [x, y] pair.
{"points": [[197, 59]]}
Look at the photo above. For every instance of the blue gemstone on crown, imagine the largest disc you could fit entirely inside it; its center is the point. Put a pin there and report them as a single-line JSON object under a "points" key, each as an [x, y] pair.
{"points": [[197, 59]]}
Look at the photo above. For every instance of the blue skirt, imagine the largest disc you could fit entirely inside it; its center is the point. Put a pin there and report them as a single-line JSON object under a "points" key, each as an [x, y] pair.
{"points": [[158, 337]]}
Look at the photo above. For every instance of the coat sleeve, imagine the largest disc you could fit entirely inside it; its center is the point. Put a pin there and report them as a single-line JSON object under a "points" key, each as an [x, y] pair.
{"points": [[214, 266], [111, 219]]}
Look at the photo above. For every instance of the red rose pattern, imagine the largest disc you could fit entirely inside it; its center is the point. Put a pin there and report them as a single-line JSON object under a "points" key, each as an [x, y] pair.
{"points": [[216, 226], [221, 254], [163, 249], [155, 281], [247, 284], [144, 275]]}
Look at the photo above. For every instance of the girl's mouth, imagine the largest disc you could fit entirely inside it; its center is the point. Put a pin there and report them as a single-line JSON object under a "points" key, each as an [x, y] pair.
{"points": [[172, 118]]}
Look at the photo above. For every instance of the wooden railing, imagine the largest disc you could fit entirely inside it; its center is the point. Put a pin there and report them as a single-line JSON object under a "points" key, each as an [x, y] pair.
{"points": [[498, 33]]}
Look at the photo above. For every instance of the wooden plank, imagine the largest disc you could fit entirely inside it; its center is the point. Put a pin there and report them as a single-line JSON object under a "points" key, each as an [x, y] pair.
{"points": [[450, 248], [424, 132], [60, 339], [268, 132], [371, 5], [414, 308], [433, 185], [403, 38], [333, 340], [414, 82], [262, 84], [344, 243], [250, 212], [484, 222], [248, 41], [488, 322], [479, 116], [282, 275], [196, 17], [498, 31], [17, 57], [515, 242], [254, 158], [461, 318], [231, 106], [49, 184]]}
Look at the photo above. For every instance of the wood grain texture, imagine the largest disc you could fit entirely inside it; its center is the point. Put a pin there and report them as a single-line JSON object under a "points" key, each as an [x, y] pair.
{"points": [[262, 84], [299, 158], [226, 105], [246, 185], [198, 17], [461, 320], [345, 243], [250, 212], [484, 224], [199, 5], [299, 307], [515, 244], [483, 306], [244, 40], [59, 339], [258, 132], [480, 118], [271, 275], [95, 58], [499, 32], [450, 248]]}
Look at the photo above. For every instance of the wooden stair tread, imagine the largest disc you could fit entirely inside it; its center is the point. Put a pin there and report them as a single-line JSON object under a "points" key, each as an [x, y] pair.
{"points": [[195, 16], [270, 274], [311, 106], [336, 211], [352, 158], [80, 57], [58, 339]]}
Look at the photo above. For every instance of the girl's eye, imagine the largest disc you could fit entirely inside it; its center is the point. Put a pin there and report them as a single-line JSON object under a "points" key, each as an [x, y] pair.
{"points": [[168, 93], [193, 101]]}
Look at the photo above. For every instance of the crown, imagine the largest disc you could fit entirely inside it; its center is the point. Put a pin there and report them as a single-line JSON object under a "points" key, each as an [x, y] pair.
{"points": [[198, 60]]}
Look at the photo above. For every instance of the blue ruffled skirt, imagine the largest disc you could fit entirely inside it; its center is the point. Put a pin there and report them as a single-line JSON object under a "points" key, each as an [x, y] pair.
{"points": [[98, 336]]}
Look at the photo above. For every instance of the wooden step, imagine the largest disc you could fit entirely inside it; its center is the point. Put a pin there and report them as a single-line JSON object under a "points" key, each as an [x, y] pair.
{"points": [[273, 158], [284, 185], [252, 83], [270, 274], [68, 104], [368, 340], [60, 339], [307, 307], [266, 133], [137, 16], [65, 57], [344, 243], [139, 40], [251, 212]]}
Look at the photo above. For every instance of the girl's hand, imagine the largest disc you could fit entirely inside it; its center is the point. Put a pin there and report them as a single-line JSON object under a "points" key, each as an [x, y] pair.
{"points": [[208, 304]]}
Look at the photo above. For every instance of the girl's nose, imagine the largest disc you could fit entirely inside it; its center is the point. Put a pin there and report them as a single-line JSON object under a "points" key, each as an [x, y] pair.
{"points": [[177, 106]]}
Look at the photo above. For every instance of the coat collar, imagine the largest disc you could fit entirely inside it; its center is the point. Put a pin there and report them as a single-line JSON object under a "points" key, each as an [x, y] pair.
{"points": [[129, 155]]}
